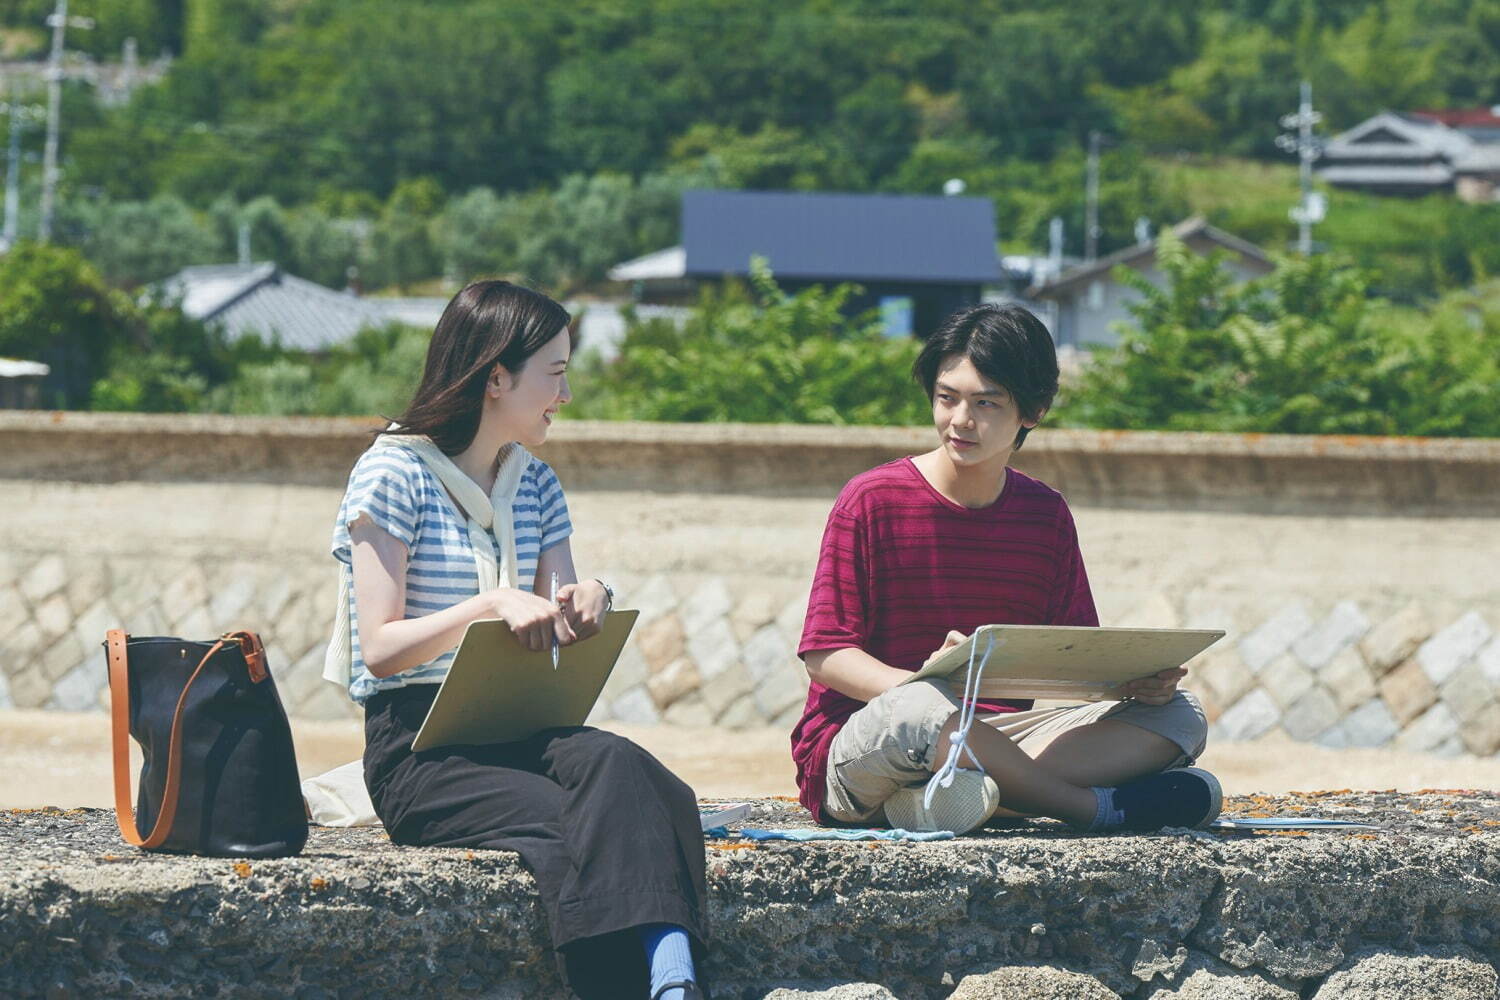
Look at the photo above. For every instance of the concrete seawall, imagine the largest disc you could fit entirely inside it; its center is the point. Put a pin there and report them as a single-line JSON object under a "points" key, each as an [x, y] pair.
{"points": [[1409, 911], [1241, 472], [1368, 630]]}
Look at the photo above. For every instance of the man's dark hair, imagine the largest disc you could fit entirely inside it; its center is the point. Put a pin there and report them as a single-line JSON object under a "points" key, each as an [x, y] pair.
{"points": [[1008, 345]]}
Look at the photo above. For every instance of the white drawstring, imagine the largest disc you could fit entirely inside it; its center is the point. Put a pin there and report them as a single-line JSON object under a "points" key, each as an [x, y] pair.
{"points": [[958, 742]]}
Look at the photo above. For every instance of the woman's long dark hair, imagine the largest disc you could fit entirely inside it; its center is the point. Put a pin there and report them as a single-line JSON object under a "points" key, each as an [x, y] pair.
{"points": [[488, 322]]}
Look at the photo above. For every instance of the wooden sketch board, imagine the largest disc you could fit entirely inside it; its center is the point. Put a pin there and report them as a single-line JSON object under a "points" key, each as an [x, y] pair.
{"points": [[498, 691], [1067, 661]]}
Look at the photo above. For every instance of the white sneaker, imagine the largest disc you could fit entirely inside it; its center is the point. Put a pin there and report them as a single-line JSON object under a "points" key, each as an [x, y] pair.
{"points": [[962, 806]]}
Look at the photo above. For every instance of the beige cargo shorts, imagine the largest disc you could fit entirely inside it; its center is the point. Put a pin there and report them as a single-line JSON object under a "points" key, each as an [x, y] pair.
{"points": [[892, 741]]}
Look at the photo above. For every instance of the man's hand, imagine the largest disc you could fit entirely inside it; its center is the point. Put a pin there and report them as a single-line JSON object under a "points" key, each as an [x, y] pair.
{"points": [[952, 639], [1157, 689]]}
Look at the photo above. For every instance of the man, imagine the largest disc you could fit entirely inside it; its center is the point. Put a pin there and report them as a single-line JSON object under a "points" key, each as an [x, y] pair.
{"points": [[923, 550]]}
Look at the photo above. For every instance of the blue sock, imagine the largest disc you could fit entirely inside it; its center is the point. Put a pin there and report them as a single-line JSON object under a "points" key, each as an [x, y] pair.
{"points": [[670, 955], [1106, 816]]}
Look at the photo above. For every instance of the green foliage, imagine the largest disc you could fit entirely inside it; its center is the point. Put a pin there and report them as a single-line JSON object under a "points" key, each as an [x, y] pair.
{"points": [[58, 310], [1413, 248], [153, 383], [402, 251], [1303, 351], [375, 373], [838, 91], [757, 355], [564, 238], [770, 158], [134, 242]]}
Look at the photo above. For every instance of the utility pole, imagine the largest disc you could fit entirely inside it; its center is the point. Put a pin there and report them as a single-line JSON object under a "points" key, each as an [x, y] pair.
{"points": [[59, 22], [12, 179], [18, 114], [1091, 209], [1307, 147]]}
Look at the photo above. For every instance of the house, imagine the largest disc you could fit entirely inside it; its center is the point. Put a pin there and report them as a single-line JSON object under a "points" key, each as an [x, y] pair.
{"points": [[21, 383], [916, 258], [263, 299], [1082, 303], [1417, 153]]}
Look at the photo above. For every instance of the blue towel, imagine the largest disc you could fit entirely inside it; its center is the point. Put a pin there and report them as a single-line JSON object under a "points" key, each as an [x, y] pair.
{"points": [[863, 834]]}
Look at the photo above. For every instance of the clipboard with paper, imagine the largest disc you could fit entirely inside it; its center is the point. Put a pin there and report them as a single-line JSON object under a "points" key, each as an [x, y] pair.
{"points": [[1065, 662], [498, 691]]}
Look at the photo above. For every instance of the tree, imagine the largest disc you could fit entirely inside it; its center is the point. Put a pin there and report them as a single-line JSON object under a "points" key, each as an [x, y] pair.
{"points": [[1303, 351], [758, 355], [402, 251], [59, 311], [135, 242]]}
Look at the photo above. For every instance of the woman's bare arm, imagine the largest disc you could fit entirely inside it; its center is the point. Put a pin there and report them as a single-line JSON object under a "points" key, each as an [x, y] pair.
{"points": [[390, 642]]}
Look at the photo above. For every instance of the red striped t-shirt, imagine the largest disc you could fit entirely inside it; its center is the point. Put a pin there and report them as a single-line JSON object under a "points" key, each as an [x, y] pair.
{"points": [[901, 564]]}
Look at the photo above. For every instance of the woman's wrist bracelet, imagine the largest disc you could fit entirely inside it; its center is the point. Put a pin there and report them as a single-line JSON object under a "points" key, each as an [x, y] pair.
{"points": [[609, 594]]}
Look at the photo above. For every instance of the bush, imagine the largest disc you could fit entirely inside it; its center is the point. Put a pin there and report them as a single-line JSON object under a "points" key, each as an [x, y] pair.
{"points": [[59, 310], [757, 355], [375, 373], [1305, 350], [135, 242]]}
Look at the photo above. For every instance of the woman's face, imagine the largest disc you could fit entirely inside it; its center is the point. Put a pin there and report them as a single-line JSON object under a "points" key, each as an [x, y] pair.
{"points": [[527, 401]]}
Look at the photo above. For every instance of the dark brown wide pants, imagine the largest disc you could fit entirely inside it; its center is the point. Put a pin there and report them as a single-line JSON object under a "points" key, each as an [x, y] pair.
{"points": [[611, 836]]}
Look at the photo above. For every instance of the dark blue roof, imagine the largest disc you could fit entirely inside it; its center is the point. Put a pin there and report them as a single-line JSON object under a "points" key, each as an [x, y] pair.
{"points": [[854, 237]]}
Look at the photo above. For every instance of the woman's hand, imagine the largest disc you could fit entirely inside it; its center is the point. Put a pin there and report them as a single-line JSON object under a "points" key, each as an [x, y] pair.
{"points": [[535, 620], [1158, 689], [952, 639], [583, 605]]}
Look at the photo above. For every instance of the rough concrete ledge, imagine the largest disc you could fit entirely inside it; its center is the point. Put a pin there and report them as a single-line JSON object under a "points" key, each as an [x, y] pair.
{"points": [[1251, 472], [1026, 913]]}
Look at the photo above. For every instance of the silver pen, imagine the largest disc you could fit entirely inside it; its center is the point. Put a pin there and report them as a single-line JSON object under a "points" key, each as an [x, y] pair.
{"points": [[554, 631]]}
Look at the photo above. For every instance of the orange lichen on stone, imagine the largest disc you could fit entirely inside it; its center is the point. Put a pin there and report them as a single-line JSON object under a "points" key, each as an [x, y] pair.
{"points": [[318, 883], [242, 869]]}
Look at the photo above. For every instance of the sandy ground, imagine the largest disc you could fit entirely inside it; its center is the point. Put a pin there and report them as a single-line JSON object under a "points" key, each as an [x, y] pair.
{"points": [[62, 759]]}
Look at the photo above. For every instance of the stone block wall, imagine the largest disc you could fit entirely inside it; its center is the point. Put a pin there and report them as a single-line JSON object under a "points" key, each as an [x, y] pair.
{"points": [[1343, 680], [721, 650]]}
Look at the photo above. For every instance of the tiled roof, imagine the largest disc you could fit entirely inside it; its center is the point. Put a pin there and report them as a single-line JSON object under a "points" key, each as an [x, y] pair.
{"points": [[1188, 228], [262, 299]]}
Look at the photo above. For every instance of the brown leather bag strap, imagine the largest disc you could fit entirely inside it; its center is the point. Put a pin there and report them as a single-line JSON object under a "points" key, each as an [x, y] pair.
{"points": [[119, 714]]}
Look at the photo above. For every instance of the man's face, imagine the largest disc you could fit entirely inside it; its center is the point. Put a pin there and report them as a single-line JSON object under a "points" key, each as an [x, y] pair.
{"points": [[976, 419]]}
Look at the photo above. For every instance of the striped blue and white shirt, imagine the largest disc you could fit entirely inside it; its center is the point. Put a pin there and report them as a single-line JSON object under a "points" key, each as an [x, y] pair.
{"points": [[400, 495]]}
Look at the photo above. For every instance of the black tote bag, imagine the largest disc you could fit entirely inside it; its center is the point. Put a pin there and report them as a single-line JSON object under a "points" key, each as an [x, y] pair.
{"points": [[220, 775]]}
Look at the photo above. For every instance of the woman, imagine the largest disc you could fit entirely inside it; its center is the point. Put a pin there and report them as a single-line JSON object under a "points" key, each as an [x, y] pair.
{"points": [[611, 836]]}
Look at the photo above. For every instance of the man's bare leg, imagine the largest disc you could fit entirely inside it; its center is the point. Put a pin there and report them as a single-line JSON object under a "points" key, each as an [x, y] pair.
{"points": [[1104, 753], [1023, 782]]}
